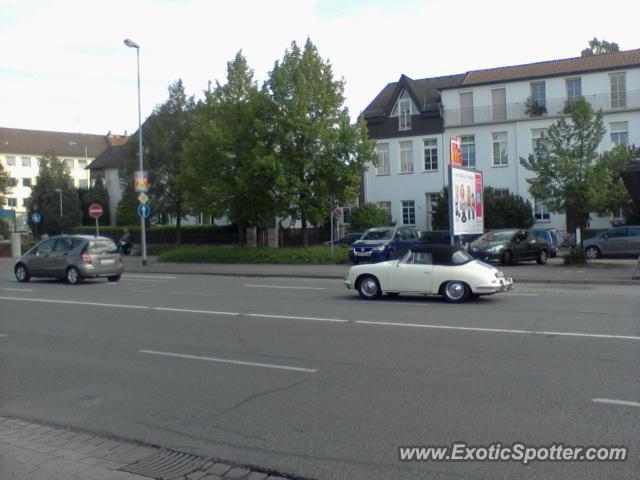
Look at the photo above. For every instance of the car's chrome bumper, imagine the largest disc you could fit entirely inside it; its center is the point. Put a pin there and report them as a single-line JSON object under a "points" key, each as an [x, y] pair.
{"points": [[347, 283], [502, 285]]}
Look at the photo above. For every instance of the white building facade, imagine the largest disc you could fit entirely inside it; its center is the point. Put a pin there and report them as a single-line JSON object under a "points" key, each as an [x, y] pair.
{"points": [[488, 111]]}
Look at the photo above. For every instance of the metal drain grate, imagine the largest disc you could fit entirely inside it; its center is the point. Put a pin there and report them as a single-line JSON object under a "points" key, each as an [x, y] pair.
{"points": [[166, 465]]}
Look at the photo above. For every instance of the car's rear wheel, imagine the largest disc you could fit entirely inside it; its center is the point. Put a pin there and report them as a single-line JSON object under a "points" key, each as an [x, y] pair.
{"points": [[592, 253], [543, 256], [113, 278], [73, 276], [507, 258], [369, 287], [22, 273], [456, 291]]}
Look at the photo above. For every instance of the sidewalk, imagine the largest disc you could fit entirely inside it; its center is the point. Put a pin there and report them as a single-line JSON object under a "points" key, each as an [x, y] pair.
{"points": [[32, 451], [597, 272]]}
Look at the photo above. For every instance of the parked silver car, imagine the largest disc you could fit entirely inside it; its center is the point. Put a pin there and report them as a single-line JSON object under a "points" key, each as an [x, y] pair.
{"points": [[617, 241], [72, 258]]}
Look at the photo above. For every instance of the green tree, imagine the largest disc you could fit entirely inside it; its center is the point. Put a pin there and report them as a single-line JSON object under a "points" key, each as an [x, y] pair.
{"points": [[617, 196], [126, 211], [164, 135], [367, 216], [570, 176], [322, 153], [53, 181], [229, 165], [4, 184], [96, 194], [598, 47]]}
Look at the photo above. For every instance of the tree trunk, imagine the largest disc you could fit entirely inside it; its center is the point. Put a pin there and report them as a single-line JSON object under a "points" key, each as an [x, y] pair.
{"points": [[577, 220], [178, 231], [242, 233], [305, 233]]}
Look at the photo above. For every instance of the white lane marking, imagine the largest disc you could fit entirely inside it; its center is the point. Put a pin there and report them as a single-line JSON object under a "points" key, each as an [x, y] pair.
{"points": [[499, 330], [233, 362], [133, 275], [593, 311], [17, 289], [523, 294], [285, 287], [2, 335], [152, 280], [625, 403], [336, 320]]}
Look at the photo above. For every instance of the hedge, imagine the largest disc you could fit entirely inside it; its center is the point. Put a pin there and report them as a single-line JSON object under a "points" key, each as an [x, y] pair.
{"points": [[317, 255], [192, 234]]}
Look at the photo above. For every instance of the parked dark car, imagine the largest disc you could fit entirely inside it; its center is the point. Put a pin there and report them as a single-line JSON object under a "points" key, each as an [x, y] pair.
{"points": [[72, 258], [509, 246], [382, 244], [550, 236], [345, 241], [620, 241]]}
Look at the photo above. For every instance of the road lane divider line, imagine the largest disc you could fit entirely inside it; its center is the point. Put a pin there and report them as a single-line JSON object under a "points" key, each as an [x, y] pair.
{"points": [[292, 317], [76, 302], [499, 330], [16, 289], [164, 277], [150, 280], [230, 361], [611, 401], [188, 310], [285, 287], [2, 335]]}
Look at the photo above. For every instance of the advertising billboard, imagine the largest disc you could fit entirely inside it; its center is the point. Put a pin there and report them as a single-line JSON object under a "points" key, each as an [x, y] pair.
{"points": [[456, 152], [467, 210]]}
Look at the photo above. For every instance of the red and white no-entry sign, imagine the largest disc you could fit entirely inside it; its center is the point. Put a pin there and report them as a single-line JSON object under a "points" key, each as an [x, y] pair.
{"points": [[95, 210]]}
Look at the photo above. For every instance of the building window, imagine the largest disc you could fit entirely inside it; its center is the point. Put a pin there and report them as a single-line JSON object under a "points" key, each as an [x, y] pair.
{"points": [[386, 206], [540, 210], [408, 212], [466, 108], [83, 184], [498, 104], [13, 182], [26, 161], [619, 134], [26, 182], [574, 90], [431, 155], [538, 94], [618, 90], [12, 202], [468, 150], [82, 164], [406, 157], [500, 149], [382, 150], [537, 134], [501, 192], [404, 114], [11, 161]]}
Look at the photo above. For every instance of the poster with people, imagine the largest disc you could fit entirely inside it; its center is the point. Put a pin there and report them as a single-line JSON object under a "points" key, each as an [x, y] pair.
{"points": [[467, 201]]}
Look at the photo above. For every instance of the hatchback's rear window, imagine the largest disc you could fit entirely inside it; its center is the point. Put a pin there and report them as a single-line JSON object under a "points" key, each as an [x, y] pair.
{"points": [[101, 246]]}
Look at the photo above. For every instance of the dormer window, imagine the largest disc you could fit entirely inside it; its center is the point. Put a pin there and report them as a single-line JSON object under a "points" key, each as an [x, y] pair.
{"points": [[404, 114]]}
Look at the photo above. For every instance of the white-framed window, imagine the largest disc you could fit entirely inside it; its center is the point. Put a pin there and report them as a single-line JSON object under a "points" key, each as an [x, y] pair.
{"points": [[619, 134], [382, 150], [69, 163], [574, 89], [12, 202], [618, 83], [82, 164], [466, 108], [432, 201], [538, 93], [540, 210], [11, 161], [386, 206], [408, 212], [406, 157], [468, 150], [430, 155], [536, 135], [13, 182], [26, 161], [500, 149], [83, 184], [498, 104], [26, 182], [404, 114]]}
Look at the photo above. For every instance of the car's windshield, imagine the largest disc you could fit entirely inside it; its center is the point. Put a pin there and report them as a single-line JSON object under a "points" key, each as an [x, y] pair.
{"points": [[101, 246], [503, 236], [378, 234]]}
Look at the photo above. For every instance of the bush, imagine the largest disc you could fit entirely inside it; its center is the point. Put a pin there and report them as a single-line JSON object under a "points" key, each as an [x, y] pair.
{"points": [[318, 255], [5, 231], [166, 234], [576, 256]]}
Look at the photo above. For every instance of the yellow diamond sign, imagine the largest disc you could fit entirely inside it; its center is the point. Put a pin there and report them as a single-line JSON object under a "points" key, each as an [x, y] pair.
{"points": [[143, 198]]}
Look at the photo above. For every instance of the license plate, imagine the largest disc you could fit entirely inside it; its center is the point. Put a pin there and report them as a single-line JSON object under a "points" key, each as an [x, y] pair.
{"points": [[363, 254], [107, 261]]}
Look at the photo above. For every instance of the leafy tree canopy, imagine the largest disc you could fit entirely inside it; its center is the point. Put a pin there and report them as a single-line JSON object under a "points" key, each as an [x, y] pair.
{"points": [[4, 184], [598, 47], [96, 194], [367, 216]]}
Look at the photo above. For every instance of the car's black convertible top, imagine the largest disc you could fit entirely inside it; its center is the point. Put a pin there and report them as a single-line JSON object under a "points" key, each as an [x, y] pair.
{"points": [[444, 254]]}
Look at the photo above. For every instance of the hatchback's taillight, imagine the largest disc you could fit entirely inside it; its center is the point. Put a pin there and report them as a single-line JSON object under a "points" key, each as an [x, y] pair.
{"points": [[86, 258]]}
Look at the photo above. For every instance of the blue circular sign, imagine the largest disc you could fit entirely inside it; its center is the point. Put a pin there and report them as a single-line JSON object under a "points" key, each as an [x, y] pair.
{"points": [[36, 217], [144, 210]]}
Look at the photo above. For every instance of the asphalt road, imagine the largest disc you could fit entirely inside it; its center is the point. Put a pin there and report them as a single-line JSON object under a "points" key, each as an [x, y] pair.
{"points": [[303, 377]]}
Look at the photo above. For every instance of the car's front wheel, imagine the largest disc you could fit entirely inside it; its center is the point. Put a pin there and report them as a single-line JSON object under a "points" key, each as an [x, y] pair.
{"points": [[369, 287], [592, 253], [21, 272], [456, 291], [113, 278], [73, 276], [543, 256], [507, 258]]}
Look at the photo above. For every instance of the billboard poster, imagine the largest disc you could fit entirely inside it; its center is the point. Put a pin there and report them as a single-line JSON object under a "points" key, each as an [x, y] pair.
{"points": [[456, 152], [467, 211]]}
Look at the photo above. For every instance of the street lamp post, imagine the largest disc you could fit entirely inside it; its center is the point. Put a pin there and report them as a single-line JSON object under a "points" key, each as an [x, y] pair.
{"points": [[131, 44], [59, 190]]}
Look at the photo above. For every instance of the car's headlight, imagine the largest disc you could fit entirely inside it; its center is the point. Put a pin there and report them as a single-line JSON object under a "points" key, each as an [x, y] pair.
{"points": [[380, 248], [496, 249]]}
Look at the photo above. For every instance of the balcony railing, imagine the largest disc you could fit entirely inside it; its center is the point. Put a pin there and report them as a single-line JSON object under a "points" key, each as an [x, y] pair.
{"points": [[510, 112]]}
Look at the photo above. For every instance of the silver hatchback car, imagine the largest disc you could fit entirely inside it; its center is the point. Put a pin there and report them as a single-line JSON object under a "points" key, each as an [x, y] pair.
{"points": [[621, 241], [72, 258]]}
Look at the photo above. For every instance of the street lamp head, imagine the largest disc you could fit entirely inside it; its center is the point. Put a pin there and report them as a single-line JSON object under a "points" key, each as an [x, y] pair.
{"points": [[130, 43]]}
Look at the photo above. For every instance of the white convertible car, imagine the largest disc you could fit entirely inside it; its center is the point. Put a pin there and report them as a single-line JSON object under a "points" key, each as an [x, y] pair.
{"points": [[429, 269]]}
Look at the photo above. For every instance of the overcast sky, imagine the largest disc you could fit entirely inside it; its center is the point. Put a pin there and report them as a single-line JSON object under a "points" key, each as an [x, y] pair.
{"points": [[64, 67]]}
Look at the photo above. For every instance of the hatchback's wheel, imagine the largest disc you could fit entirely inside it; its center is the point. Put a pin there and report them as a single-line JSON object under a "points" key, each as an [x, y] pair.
{"points": [[73, 276], [542, 257], [113, 278], [456, 291], [21, 272], [592, 253], [369, 287], [507, 259]]}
